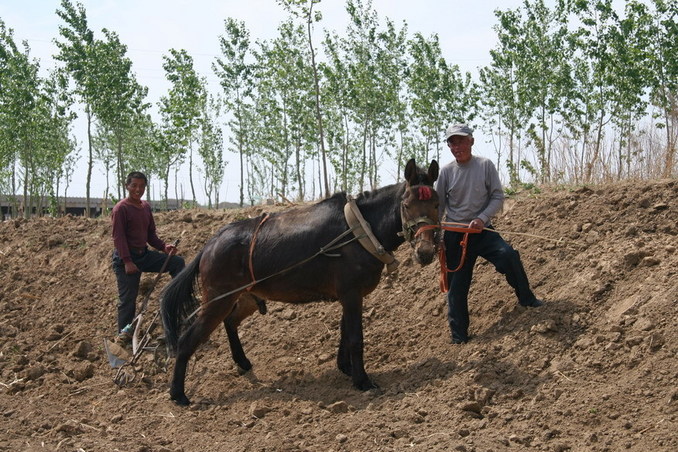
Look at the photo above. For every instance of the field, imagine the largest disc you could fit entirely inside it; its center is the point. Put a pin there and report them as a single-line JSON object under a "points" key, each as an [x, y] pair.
{"points": [[594, 369]]}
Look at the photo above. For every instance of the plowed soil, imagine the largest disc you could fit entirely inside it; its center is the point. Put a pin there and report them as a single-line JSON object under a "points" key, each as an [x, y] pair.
{"points": [[594, 369]]}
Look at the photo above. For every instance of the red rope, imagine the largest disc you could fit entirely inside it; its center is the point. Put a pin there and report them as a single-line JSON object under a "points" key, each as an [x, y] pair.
{"points": [[454, 227], [443, 262]]}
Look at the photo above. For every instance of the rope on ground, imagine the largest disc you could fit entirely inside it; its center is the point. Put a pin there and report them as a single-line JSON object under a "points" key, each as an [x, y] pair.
{"points": [[560, 241]]}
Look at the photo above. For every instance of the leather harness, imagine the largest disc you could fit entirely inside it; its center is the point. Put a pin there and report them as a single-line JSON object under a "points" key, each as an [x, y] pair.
{"points": [[363, 232]]}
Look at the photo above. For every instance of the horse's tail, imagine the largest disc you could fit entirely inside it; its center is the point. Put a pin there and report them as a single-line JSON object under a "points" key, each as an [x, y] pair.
{"points": [[179, 302]]}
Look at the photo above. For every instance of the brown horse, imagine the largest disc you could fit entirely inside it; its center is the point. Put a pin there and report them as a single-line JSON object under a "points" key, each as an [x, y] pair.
{"points": [[299, 255]]}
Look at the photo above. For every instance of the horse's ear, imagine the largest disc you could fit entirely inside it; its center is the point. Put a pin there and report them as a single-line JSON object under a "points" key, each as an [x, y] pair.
{"points": [[411, 172], [433, 171]]}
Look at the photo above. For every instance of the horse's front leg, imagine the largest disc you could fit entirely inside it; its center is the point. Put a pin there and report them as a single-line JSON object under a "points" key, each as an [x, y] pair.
{"points": [[343, 355], [351, 343]]}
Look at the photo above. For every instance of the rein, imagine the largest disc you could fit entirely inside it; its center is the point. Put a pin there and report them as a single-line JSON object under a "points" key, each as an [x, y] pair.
{"points": [[361, 231], [454, 227], [464, 229]]}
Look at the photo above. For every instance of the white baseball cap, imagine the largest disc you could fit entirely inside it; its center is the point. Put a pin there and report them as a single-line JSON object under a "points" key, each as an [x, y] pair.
{"points": [[458, 129]]}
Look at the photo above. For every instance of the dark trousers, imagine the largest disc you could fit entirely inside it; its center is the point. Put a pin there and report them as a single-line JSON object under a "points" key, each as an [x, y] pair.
{"points": [[128, 285], [491, 246]]}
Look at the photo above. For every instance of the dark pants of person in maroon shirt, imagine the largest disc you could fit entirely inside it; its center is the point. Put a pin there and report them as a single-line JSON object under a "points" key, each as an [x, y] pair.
{"points": [[128, 285]]}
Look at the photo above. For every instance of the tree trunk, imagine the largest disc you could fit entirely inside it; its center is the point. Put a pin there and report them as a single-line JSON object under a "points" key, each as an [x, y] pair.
{"points": [[317, 103], [90, 163], [596, 151], [363, 160], [300, 178], [669, 159], [344, 157], [190, 169], [241, 151]]}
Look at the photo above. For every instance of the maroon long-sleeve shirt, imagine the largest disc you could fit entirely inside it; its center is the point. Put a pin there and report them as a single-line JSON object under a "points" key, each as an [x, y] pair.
{"points": [[133, 227]]}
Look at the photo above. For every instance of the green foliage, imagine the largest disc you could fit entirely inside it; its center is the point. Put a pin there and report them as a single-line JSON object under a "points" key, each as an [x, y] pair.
{"points": [[576, 92], [235, 75], [438, 93], [34, 126], [210, 148], [556, 93], [181, 110]]}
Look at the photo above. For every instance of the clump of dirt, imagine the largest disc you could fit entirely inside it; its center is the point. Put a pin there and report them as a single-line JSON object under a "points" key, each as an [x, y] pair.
{"points": [[594, 369]]}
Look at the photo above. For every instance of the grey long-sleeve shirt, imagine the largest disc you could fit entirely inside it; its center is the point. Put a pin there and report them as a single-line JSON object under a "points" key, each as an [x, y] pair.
{"points": [[469, 191]]}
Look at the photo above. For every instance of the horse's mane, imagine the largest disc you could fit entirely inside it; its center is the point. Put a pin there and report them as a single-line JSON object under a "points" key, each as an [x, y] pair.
{"points": [[340, 198], [378, 193]]}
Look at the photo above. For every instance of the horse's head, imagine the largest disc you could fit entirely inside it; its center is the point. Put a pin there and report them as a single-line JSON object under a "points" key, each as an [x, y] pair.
{"points": [[419, 210]]}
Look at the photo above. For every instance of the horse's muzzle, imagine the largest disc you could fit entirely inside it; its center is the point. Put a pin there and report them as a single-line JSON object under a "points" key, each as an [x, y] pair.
{"points": [[424, 252]]}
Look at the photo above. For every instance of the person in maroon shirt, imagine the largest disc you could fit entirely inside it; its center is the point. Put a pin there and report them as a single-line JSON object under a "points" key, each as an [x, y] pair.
{"points": [[133, 230]]}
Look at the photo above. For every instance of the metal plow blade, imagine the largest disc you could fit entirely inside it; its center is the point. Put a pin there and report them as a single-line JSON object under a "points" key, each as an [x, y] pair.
{"points": [[117, 356]]}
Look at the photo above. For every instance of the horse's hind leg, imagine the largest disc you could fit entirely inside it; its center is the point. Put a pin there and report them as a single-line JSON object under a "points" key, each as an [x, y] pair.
{"points": [[247, 305], [208, 319]]}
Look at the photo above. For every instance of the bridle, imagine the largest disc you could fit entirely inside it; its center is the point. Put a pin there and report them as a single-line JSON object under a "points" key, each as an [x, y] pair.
{"points": [[412, 228]]}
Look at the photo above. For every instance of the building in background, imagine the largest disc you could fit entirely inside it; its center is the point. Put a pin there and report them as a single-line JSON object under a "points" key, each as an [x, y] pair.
{"points": [[14, 206]]}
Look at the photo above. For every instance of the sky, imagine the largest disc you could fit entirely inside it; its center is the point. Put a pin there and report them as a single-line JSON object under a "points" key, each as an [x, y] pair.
{"points": [[150, 28]]}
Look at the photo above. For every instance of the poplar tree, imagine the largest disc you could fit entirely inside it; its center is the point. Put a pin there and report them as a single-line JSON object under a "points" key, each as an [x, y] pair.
{"points": [[182, 107], [119, 106], [34, 127], [76, 51], [285, 87], [661, 36], [439, 94], [235, 77], [303, 9], [502, 89], [210, 148]]}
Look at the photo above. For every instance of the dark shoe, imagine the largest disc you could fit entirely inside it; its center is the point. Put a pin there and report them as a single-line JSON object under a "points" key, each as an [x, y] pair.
{"points": [[534, 304], [124, 339]]}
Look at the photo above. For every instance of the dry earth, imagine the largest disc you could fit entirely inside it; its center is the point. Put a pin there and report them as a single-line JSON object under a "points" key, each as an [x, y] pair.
{"points": [[594, 369]]}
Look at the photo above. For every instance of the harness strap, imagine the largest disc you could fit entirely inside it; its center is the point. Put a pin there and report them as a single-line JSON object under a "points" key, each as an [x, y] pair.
{"points": [[333, 245], [252, 243], [363, 232]]}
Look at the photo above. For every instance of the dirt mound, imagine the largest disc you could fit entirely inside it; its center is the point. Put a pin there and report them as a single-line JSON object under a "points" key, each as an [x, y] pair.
{"points": [[595, 369]]}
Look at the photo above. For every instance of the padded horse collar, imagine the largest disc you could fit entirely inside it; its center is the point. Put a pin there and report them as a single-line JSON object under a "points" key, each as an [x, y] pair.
{"points": [[363, 232]]}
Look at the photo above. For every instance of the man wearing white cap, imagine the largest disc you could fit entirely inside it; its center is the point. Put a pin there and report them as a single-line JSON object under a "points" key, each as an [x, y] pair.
{"points": [[470, 193]]}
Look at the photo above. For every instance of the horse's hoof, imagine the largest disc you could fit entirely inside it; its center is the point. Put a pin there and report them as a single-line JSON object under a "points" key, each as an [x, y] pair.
{"points": [[242, 370], [261, 304], [365, 385], [180, 399]]}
